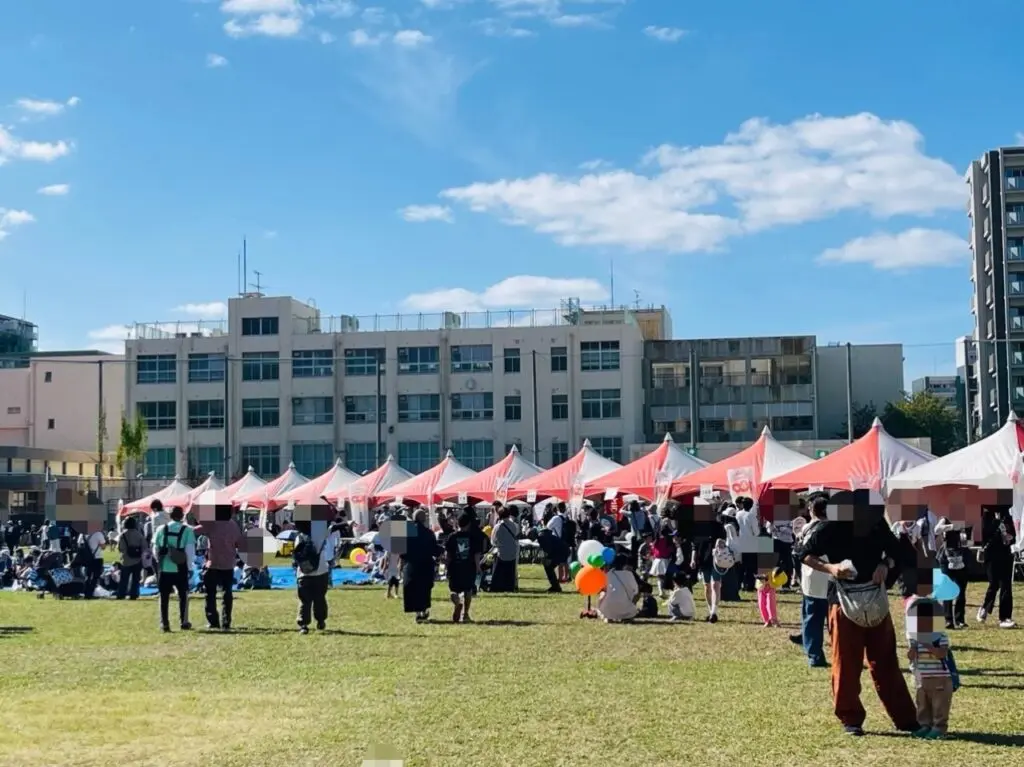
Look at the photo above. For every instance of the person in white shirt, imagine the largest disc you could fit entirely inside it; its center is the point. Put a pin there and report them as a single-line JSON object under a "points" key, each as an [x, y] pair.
{"points": [[746, 541], [90, 559], [557, 526], [680, 602], [313, 582], [814, 584], [618, 600]]}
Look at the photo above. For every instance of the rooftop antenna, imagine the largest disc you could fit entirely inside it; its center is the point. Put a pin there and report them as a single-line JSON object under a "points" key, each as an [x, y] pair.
{"points": [[24, 304], [611, 287], [245, 266], [257, 283], [636, 299], [238, 272]]}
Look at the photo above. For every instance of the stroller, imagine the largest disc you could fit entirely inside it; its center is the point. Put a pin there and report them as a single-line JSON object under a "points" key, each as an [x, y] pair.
{"points": [[56, 579]]}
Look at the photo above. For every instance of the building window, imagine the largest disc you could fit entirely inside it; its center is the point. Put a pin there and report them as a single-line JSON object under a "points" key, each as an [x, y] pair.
{"points": [[264, 459], [599, 355], [158, 463], [48, 377], [313, 363], [361, 458], [206, 414], [601, 403], [559, 453], [559, 407], [419, 407], [478, 406], [261, 413], [478, 358], [155, 368], [476, 454], [363, 362], [260, 366], [362, 408], [417, 457], [513, 407], [1015, 215], [312, 458], [205, 368], [51, 424], [158, 416], [418, 359], [559, 359], [260, 326], [203, 460], [518, 445], [513, 362], [793, 423], [609, 447], [312, 411], [15, 410]]}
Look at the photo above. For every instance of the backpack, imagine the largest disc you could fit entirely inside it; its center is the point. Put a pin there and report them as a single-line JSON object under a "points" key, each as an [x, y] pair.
{"points": [[84, 554], [954, 673], [175, 553], [133, 552], [307, 556], [722, 556], [569, 531]]}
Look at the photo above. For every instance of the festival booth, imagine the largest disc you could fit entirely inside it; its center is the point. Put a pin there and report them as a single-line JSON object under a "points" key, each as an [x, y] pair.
{"points": [[492, 484], [649, 477], [246, 485], [264, 499], [567, 481], [866, 463], [360, 494], [312, 492], [211, 483], [428, 488], [747, 473], [176, 490]]}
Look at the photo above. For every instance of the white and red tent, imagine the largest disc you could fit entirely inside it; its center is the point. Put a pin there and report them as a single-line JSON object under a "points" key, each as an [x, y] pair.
{"points": [[312, 493], [492, 484], [263, 498], [427, 488], [210, 483], [177, 489], [568, 480], [866, 463], [745, 473], [384, 477], [650, 476]]}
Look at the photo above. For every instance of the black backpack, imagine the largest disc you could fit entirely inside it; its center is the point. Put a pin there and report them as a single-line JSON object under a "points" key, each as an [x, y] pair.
{"points": [[83, 553], [306, 555], [569, 531]]}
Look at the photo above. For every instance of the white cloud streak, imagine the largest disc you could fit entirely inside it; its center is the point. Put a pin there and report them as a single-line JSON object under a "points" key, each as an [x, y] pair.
{"points": [[213, 310], [912, 249], [411, 38], [419, 214], [215, 61], [665, 34], [55, 190], [45, 107], [11, 219], [13, 148], [510, 293]]}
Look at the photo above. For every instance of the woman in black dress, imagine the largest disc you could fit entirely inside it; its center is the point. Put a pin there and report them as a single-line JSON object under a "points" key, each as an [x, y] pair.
{"points": [[419, 565]]}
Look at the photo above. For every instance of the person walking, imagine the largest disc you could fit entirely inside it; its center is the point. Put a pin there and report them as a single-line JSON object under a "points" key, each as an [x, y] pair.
{"points": [[746, 541], [505, 538], [314, 550], [131, 545], [89, 557], [419, 566], [225, 541], [814, 585], [997, 536], [174, 548], [952, 558]]}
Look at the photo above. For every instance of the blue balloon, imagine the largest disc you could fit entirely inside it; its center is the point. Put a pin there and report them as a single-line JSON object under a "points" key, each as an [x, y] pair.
{"points": [[943, 589], [608, 555]]}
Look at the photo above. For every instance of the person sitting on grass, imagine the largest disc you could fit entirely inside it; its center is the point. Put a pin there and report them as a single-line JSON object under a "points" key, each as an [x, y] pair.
{"points": [[463, 554], [680, 602], [617, 603]]}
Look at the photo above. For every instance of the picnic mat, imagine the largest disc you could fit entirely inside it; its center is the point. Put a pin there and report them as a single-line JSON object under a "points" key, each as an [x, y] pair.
{"points": [[283, 577]]}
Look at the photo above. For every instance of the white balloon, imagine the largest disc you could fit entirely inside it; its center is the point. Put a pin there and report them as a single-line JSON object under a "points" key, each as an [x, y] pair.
{"points": [[588, 549]]}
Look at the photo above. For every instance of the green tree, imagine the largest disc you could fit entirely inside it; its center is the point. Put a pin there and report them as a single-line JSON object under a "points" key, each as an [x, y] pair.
{"points": [[863, 417], [925, 415], [131, 448]]}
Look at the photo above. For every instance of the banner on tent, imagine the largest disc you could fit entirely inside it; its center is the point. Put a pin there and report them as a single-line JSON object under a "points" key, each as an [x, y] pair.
{"points": [[662, 487], [531, 496], [610, 493], [741, 482], [707, 492], [501, 491], [576, 491], [463, 499], [865, 481]]}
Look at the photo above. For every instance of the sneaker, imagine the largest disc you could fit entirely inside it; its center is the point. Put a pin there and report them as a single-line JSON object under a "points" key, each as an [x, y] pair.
{"points": [[982, 615], [922, 732], [961, 625], [466, 618], [853, 730], [212, 627], [935, 735], [797, 639], [1007, 624], [713, 618], [166, 629], [673, 619], [818, 663], [303, 630], [186, 626], [321, 625], [555, 590]]}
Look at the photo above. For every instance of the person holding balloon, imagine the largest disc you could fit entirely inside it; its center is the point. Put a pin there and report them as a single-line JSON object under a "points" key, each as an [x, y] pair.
{"points": [[589, 573], [767, 602], [618, 599]]}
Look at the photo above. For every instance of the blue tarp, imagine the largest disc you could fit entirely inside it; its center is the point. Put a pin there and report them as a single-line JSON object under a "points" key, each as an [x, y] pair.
{"points": [[283, 577]]}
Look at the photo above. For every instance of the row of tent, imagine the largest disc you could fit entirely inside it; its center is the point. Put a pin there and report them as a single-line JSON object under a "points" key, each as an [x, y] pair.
{"points": [[876, 461]]}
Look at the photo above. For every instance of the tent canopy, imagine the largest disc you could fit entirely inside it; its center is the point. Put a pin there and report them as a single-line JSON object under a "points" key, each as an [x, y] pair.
{"points": [[764, 460], [493, 483], [989, 463], [867, 462], [210, 483], [264, 497], [567, 478], [649, 476], [428, 487], [177, 489], [385, 476], [312, 492]]}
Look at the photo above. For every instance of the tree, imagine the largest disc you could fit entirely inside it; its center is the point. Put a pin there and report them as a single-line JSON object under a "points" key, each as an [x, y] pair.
{"points": [[132, 446], [925, 415], [863, 417]]}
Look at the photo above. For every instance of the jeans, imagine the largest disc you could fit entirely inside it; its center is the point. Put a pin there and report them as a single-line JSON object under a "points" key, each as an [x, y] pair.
{"points": [[312, 598], [1000, 580], [168, 584], [225, 581], [129, 583], [813, 614], [955, 608]]}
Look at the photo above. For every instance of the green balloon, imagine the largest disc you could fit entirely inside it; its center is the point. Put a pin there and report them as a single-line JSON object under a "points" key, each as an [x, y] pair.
{"points": [[574, 568], [595, 560]]}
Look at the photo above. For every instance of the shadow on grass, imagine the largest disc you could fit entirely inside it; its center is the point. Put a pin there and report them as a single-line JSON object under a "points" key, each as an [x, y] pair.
{"points": [[1000, 672], [280, 631], [994, 687], [15, 630], [505, 623], [983, 738]]}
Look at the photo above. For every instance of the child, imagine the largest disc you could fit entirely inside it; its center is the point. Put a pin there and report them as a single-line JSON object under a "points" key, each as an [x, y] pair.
{"points": [[766, 599], [394, 573], [680, 601], [930, 662], [662, 554]]}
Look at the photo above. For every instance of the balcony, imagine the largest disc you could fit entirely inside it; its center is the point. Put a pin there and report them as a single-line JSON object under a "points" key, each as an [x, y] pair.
{"points": [[1017, 358], [1015, 253], [1015, 184], [1015, 217], [1016, 324]]}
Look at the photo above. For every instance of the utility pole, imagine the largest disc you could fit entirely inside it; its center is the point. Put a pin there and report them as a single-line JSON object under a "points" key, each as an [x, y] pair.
{"points": [[536, 414], [849, 393], [101, 423], [227, 420], [380, 425]]}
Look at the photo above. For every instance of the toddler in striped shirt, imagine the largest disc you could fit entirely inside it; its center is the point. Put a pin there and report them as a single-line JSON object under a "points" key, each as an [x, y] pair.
{"points": [[929, 662]]}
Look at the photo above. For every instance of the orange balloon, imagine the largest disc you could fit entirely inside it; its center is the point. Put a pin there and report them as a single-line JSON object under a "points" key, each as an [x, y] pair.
{"points": [[591, 581]]}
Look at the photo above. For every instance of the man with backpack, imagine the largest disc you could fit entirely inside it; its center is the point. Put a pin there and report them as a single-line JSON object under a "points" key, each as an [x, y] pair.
{"points": [[89, 557], [315, 547], [225, 542], [174, 546]]}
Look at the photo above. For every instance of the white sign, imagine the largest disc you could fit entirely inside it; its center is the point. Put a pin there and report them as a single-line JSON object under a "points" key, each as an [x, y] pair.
{"points": [[576, 491], [707, 492], [741, 482], [399, 499], [531, 496], [610, 493], [662, 487], [816, 489], [501, 492], [463, 498]]}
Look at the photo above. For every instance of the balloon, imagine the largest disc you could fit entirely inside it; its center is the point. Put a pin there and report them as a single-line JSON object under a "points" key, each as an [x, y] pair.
{"points": [[574, 568], [591, 581], [488, 530], [595, 560], [608, 555], [588, 549], [778, 581], [357, 556], [943, 588]]}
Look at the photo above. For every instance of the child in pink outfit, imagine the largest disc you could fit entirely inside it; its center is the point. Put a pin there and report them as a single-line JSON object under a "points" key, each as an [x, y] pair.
{"points": [[767, 602]]}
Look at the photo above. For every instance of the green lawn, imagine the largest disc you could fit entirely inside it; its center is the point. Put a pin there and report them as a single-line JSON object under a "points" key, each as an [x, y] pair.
{"points": [[95, 683]]}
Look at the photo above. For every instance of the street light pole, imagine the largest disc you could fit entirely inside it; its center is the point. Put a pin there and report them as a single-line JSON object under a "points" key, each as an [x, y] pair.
{"points": [[380, 426]]}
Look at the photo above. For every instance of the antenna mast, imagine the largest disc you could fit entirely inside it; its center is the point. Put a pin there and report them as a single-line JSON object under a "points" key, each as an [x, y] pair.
{"points": [[245, 266], [636, 300], [611, 286]]}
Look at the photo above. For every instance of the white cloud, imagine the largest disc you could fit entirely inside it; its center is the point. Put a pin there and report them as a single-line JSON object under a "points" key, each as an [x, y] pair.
{"points": [[512, 292], [13, 148], [326, 38], [215, 60], [419, 214], [762, 176], [360, 38], [501, 28], [270, 234], [411, 38], [213, 310], [9, 219], [267, 25], [338, 9], [74, 101], [592, 165], [111, 338], [244, 7], [441, 5], [55, 190], [374, 15], [665, 34], [911, 249], [576, 20]]}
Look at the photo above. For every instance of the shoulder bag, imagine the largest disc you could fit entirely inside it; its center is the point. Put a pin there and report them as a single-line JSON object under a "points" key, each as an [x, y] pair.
{"points": [[866, 604]]}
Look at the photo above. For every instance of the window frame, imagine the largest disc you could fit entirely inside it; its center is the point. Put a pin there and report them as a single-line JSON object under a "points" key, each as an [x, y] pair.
{"points": [[261, 366], [211, 372], [165, 369], [472, 365], [326, 411], [212, 419], [409, 366], [404, 415], [485, 412], [159, 422], [512, 360], [607, 401], [368, 416], [600, 356], [269, 416]]}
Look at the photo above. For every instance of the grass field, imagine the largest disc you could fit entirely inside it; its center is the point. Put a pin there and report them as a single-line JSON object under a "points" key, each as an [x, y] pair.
{"points": [[95, 683]]}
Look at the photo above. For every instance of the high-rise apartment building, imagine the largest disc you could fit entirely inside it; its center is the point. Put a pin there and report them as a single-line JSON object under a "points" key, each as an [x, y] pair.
{"points": [[17, 341], [996, 211]]}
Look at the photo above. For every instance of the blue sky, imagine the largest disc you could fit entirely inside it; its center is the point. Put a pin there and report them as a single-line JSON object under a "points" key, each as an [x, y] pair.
{"points": [[757, 167]]}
